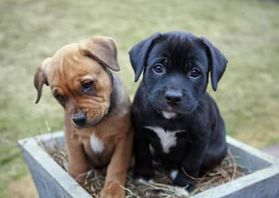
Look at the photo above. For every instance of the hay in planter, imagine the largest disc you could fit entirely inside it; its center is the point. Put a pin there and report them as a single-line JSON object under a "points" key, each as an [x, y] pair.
{"points": [[227, 171]]}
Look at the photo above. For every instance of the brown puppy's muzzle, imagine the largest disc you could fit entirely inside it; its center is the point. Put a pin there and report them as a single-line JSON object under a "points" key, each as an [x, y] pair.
{"points": [[95, 115], [87, 117], [79, 119]]}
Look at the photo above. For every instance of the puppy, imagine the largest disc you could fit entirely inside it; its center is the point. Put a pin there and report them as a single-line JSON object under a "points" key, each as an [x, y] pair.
{"points": [[98, 129], [176, 122]]}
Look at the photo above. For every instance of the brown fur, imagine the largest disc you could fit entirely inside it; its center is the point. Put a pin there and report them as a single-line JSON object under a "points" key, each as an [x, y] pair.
{"points": [[107, 109]]}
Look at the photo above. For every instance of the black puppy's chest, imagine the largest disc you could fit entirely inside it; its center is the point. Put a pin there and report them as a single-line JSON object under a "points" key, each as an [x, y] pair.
{"points": [[168, 145]]}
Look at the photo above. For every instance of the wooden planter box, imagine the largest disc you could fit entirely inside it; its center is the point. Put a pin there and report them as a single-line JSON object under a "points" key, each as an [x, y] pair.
{"points": [[52, 181]]}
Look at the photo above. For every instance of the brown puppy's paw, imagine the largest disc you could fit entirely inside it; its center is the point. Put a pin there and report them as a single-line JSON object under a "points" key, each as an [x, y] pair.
{"points": [[112, 190]]}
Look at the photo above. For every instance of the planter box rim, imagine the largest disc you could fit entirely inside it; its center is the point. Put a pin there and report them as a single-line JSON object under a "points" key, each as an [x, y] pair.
{"points": [[69, 185], [269, 168]]}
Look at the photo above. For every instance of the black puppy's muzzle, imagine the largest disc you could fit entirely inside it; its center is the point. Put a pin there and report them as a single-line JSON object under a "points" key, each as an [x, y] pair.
{"points": [[79, 119], [173, 97]]}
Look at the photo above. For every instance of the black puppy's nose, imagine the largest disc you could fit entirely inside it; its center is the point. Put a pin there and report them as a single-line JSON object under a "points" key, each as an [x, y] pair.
{"points": [[79, 118], [173, 97]]}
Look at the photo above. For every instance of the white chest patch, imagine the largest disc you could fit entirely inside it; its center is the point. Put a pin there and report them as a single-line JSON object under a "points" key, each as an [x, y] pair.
{"points": [[167, 138], [96, 144], [173, 174]]}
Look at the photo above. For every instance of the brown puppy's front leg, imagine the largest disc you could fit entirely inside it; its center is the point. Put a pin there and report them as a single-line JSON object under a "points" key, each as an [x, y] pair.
{"points": [[78, 164], [118, 167]]}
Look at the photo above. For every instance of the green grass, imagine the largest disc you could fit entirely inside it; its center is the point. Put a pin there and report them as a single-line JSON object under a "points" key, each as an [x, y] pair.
{"points": [[246, 31]]}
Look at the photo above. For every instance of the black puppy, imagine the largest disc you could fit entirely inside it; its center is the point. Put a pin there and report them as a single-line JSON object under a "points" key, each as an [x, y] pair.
{"points": [[176, 122]]}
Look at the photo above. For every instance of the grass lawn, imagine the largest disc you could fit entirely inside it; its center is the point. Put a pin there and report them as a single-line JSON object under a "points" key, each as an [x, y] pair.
{"points": [[246, 31]]}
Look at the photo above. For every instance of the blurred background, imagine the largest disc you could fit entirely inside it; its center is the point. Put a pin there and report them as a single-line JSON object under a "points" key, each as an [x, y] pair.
{"points": [[247, 32]]}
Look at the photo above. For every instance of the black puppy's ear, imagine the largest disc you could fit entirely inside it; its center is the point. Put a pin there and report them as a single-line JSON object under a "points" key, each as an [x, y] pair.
{"points": [[217, 63], [139, 53]]}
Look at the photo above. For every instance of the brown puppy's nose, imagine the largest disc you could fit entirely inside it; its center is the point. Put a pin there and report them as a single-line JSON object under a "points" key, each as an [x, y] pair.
{"points": [[79, 118], [173, 97]]}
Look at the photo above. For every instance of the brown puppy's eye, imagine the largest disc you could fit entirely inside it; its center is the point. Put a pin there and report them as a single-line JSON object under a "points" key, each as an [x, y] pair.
{"points": [[59, 97], [87, 86]]}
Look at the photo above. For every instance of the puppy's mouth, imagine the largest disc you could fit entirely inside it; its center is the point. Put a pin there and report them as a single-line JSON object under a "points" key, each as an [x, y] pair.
{"points": [[87, 124], [80, 126], [95, 121], [169, 114]]}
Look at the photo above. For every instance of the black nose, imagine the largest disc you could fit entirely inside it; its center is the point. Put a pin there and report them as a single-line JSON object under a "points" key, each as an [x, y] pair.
{"points": [[173, 97], [79, 118]]}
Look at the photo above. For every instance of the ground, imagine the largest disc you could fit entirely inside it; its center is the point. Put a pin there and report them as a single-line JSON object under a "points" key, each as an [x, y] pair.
{"points": [[247, 32]]}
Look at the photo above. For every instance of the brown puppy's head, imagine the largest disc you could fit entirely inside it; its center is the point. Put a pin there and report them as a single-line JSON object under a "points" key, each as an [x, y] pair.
{"points": [[79, 79]]}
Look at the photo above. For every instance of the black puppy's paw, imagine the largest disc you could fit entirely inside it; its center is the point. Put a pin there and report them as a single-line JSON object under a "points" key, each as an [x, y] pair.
{"points": [[183, 181], [143, 176], [141, 180]]}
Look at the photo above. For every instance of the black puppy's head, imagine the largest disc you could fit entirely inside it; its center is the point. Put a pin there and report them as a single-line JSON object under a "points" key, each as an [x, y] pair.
{"points": [[176, 66]]}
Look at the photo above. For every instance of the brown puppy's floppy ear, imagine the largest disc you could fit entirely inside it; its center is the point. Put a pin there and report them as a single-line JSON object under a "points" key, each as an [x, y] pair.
{"points": [[139, 53], [40, 78], [217, 63], [101, 49]]}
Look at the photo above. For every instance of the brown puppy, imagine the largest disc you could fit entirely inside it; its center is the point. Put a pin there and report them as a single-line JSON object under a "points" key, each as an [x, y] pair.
{"points": [[98, 131]]}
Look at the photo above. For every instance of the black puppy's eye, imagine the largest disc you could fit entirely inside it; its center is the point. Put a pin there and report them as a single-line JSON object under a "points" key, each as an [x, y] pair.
{"points": [[195, 72], [158, 69], [59, 97], [87, 86]]}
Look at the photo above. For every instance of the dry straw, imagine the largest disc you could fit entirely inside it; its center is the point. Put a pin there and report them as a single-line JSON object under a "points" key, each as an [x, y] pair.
{"points": [[227, 171]]}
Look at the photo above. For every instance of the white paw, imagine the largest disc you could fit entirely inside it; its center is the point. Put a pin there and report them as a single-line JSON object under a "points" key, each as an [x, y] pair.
{"points": [[181, 192], [143, 181]]}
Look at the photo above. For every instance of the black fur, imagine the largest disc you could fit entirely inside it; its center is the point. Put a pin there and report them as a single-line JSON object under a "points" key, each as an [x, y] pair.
{"points": [[169, 62]]}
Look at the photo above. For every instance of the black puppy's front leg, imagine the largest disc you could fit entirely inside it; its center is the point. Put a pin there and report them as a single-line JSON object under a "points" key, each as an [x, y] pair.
{"points": [[190, 167], [143, 159]]}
